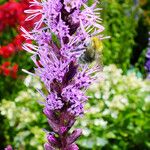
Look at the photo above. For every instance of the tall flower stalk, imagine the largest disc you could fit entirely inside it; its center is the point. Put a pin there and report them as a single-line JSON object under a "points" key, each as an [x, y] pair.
{"points": [[60, 37]]}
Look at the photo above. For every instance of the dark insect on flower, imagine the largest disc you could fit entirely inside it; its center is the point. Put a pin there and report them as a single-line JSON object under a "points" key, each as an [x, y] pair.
{"points": [[93, 50]]}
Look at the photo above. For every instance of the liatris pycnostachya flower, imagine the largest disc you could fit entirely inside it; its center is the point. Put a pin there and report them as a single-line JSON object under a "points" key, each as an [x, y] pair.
{"points": [[147, 64], [61, 36]]}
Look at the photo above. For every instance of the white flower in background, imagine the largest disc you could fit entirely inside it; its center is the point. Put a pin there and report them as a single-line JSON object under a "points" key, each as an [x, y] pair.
{"points": [[100, 122], [31, 81], [21, 113], [118, 102]]}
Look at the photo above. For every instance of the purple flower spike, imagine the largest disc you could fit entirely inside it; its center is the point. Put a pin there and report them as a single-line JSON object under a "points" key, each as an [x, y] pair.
{"points": [[63, 130], [72, 147], [61, 36], [47, 146], [75, 134], [53, 140]]}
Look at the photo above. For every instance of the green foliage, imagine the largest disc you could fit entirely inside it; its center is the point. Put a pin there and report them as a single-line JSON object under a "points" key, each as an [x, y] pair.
{"points": [[120, 20], [141, 39], [55, 40], [141, 63], [145, 5], [118, 113], [2, 2], [24, 119], [9, 86]]}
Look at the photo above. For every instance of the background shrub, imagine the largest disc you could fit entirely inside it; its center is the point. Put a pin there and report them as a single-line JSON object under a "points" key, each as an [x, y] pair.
{"points": [[120, 19], [24, 119], [118, 113]]}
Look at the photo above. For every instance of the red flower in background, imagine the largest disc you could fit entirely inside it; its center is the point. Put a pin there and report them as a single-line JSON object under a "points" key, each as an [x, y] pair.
{"points": [[7, 70], [7, 51], [12, 15], [14, 71]]}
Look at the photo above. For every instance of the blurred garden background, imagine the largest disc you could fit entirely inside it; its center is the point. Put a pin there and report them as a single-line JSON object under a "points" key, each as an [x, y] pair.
{"points": [[118, 111]]}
